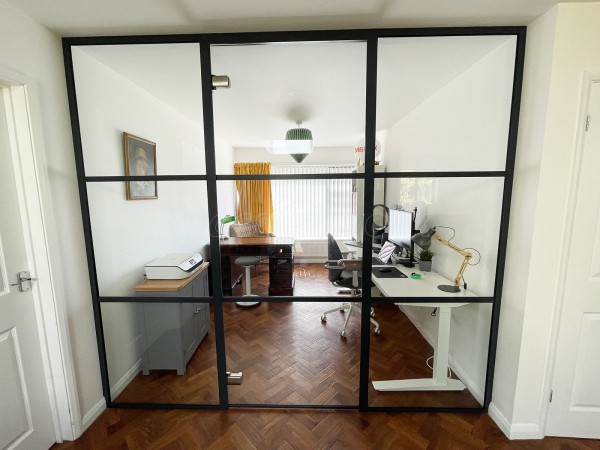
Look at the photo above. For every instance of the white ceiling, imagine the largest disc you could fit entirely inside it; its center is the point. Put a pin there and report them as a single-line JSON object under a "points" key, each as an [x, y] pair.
{"points": [[274, 86], [320, 84], [104, 17]]}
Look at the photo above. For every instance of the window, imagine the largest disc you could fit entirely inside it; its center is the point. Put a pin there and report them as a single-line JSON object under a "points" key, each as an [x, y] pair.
{"points": [[309, 209]]}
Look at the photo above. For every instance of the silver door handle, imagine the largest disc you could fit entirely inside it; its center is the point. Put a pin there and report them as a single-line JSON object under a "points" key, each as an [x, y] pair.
{"points": [[24, 281]]}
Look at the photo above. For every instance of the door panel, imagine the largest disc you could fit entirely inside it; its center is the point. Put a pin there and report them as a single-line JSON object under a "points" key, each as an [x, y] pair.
{"points": [[575, 407], [25, 412]]}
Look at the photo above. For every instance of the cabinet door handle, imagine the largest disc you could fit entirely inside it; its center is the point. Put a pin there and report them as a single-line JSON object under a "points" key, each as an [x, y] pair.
{"points": [[198, 310]]}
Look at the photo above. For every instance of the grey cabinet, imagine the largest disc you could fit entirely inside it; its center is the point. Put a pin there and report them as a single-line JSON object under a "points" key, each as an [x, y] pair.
{"points": [[172, 332]]}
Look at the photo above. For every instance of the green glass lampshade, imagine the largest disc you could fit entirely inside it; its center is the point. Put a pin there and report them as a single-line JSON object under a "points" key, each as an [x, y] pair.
{"points": [[227, 219], [299, 142]]}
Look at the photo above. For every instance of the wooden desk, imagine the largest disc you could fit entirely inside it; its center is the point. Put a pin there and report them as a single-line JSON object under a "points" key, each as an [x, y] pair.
{"points": [[280, 251]]}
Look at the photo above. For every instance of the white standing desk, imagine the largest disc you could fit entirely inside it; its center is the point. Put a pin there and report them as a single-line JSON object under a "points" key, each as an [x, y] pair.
{"points": [[426, 286]]}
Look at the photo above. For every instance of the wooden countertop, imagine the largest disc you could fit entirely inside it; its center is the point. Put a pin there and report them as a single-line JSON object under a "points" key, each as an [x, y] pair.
{"points": [[169, 285]]}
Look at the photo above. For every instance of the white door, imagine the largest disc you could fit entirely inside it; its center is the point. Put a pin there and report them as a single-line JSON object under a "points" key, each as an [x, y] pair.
{"points": [[575, 407], [25, 415]]}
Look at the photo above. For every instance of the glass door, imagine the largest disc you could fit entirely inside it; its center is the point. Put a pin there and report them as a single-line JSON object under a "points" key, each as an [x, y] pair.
{"points": [[285, 133]]}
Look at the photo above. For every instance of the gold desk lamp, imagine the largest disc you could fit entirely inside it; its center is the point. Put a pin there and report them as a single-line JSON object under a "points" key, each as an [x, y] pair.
{"points": [[423, 240]]}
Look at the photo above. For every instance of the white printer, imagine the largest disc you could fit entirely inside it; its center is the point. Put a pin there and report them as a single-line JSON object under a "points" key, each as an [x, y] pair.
{"points": [[174, 266]]}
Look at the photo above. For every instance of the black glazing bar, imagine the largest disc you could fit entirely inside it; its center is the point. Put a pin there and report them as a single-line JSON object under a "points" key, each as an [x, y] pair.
{"points": [[428, 409], [306, 176], [447, 174], [506, 202], [270, 37], [155, 299], [282, 299], [132, 40], [168, 406], [367, 237], [448, 31], [111, 178], [274, 37], [85, 217], [283, 406], [213, 214]]}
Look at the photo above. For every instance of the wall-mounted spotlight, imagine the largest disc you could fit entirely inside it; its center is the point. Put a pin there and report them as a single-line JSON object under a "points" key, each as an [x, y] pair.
{"points": [[220, 81]]}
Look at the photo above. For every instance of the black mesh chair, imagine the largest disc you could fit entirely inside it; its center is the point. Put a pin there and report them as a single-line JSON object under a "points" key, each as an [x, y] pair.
{"points": [[345, 273]]}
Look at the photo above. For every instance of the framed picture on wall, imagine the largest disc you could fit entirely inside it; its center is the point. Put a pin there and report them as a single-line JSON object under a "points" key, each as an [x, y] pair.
{"points": [[140, 159]]}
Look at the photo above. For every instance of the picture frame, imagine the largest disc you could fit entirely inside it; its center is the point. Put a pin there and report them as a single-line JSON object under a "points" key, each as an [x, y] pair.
{"points": [[140, 159]]}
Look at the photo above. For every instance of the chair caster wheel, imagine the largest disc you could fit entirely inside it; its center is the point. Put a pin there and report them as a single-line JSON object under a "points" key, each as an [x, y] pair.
{"points": [[323, 319], [343, 334], [377, 331]]}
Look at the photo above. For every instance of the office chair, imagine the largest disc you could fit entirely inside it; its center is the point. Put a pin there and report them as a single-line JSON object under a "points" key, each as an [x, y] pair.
{"points": [[345, 273], [250, 229]]}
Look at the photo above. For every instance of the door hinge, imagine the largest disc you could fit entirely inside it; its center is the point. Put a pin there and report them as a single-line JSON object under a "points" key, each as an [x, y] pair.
{"points": [[550, 399], [587, 123]]}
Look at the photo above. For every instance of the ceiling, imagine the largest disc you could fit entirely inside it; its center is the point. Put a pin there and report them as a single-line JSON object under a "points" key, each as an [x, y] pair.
{"points": [[273, 86], [118, 17]]}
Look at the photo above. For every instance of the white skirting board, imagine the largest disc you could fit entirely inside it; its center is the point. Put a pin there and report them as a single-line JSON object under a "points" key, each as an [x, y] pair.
{"points": [[121, 384], [475, 390], [90, 417], [516, 431]]}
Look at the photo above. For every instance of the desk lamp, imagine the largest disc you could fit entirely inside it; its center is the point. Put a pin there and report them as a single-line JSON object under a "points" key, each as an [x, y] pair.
{"points": [[224, 220], [423, 240]]}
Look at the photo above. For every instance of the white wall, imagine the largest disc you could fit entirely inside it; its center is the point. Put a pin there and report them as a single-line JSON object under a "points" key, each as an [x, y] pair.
{"points": [[30, 49], [128, 234], [464, 126], [575, 51], [534, 103], [320, 155]]}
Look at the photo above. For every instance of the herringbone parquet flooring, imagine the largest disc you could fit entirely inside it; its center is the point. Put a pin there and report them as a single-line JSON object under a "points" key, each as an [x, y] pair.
{"points": [[289, 357], [302, 429]]}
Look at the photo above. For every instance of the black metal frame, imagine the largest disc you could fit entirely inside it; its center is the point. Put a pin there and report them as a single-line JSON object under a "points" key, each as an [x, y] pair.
{"points": [[370, 36]]}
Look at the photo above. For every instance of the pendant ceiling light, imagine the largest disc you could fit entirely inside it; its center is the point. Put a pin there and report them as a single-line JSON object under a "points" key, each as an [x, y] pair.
{"points": [[299, 142]]}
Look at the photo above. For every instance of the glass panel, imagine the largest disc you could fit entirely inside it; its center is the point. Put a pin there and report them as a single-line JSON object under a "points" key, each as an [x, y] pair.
{"points": [[289, 356], [130, 234], [443, 103], [162, 352], [465, 214], [303, 215], [320, 85], [401, 357], [150, 91]]}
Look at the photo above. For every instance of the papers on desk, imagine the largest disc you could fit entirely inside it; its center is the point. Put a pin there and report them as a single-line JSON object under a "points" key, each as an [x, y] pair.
{"points": [[386, 252]]}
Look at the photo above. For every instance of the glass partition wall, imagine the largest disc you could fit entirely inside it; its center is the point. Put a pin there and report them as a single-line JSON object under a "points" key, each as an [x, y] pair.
{"points": [[281, 195]]}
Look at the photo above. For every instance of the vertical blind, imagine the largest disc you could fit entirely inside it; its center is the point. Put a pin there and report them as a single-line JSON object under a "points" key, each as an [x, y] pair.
{"points": [[309, 209]]}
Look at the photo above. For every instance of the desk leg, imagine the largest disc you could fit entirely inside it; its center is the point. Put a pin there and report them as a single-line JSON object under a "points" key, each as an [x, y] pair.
{"points": [[440, 380]]}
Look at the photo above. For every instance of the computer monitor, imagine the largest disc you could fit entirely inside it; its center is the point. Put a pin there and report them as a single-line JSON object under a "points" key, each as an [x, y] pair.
{"points": [[400, 231]]}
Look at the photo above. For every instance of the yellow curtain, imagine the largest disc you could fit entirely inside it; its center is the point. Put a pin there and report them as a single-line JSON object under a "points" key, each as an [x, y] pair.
{"points": [[255, 203]]}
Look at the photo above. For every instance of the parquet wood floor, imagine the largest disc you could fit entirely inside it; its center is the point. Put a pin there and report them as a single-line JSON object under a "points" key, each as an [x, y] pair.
{"points": [[302, 429], [289, 357]]}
